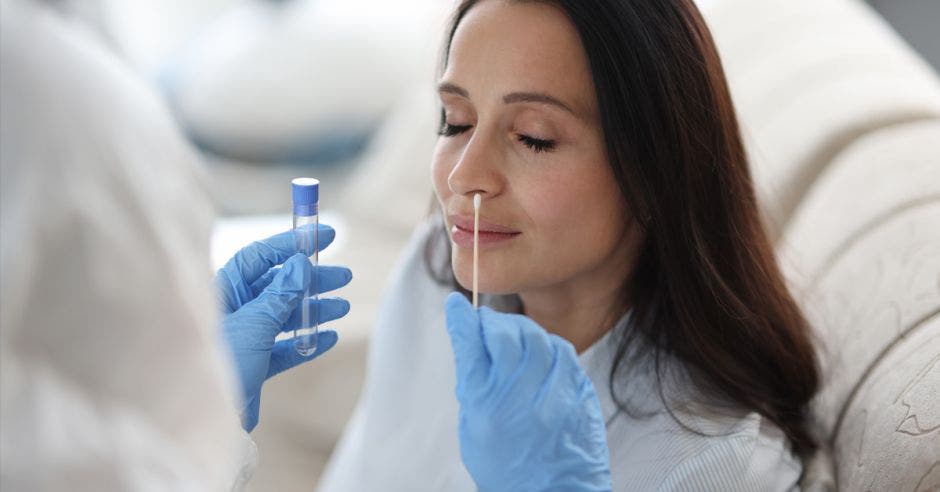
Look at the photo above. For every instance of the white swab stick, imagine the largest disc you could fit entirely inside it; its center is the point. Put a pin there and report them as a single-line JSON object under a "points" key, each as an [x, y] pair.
{"points": [[477, 200]]}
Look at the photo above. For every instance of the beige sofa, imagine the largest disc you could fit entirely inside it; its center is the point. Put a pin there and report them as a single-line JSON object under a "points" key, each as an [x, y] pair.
{"points": [[842, 123]]}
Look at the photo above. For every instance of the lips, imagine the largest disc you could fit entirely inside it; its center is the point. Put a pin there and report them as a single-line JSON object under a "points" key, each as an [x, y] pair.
{"points": [[490, 233], [466, 223]]}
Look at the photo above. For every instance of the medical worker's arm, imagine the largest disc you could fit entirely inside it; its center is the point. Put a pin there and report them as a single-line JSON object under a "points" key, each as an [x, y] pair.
{"points": [[529, 416], [260, 300]]}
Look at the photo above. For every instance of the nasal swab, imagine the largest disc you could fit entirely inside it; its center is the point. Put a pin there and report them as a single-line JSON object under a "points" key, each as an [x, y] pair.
{"points": [[477, 200]]}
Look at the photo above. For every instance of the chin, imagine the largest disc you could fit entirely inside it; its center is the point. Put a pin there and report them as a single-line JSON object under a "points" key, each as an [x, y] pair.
{"points": [[500, 283]]}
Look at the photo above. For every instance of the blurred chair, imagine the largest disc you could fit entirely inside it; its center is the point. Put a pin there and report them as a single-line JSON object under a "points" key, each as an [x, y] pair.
{"points": [[842, 123]]}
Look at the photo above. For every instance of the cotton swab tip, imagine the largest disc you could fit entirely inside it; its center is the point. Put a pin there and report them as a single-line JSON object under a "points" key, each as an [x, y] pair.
{"points": [[477, 200]]}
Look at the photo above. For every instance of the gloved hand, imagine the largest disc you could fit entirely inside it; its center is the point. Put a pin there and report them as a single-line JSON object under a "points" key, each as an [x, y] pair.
{"points": [[260, 300], [529, 416]]}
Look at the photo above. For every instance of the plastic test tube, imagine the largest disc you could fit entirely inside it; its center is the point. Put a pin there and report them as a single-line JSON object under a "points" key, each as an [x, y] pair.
{"points": [[306, 195]]}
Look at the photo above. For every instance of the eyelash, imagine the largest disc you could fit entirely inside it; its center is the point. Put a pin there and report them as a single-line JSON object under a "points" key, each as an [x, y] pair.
{"points": [[448, 130], [537, 145]]}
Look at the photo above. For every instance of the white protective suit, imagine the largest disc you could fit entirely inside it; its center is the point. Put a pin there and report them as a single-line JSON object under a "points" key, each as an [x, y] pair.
{"points": [[112, 375]]}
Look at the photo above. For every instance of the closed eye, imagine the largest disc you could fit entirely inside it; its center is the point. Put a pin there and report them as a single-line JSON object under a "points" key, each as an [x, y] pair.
{"points": [[448, 130], [537, 144]]}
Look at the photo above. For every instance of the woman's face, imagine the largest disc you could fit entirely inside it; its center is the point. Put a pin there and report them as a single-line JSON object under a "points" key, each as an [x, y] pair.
{"points": [[522, 130]]}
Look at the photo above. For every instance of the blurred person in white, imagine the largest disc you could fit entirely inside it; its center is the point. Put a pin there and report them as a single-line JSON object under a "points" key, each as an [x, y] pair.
{"points": [[104, 277], [113, 372], [618, 213]]}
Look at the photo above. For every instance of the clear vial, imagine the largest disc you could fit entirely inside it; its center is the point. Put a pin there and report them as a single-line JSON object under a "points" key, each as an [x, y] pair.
{"points": [[305, 192]]}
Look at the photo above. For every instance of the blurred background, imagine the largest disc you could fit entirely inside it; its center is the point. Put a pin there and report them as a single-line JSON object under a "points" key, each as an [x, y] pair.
{"points": [[340, 90]]}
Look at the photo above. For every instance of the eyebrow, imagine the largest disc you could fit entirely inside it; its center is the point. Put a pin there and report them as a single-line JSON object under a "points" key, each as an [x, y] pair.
{"points": [[515, 97], [449, 88]]}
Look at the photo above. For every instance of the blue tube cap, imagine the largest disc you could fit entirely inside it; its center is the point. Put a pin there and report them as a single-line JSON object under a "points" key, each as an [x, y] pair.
{"points": [[306, 195]]}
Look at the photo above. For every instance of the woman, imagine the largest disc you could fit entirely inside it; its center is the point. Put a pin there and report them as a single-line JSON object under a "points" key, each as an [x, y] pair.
{"points": [[618, 214]]}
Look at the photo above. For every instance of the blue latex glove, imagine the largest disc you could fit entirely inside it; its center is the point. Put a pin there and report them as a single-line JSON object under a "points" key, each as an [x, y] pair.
{"points": [[529, 416], [260, 300]]}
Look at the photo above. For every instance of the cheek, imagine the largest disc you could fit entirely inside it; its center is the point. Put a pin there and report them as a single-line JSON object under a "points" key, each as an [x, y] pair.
{"points": [[585, 219], [598, 213], [582, 199]]}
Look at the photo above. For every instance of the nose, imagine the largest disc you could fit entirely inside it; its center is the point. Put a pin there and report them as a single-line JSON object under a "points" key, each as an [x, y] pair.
{"points": [[478, 170]]}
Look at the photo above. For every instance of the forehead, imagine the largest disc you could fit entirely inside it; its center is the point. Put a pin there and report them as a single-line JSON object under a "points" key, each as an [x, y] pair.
{"points": [[506, 46]]}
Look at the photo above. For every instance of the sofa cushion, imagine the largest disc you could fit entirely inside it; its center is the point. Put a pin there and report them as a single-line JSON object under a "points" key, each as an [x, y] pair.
{"points": [[863, 254], [879, 174], [878, 290], [807, 78], [889, 438]]}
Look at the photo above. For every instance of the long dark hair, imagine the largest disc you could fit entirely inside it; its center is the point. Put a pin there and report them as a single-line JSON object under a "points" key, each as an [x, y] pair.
{"points": [[706, 289]]}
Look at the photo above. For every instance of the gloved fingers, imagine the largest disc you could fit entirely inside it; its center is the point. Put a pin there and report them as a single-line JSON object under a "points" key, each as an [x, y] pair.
{"points": [[233, 294], [235, 279], [287, 241], [539, 358], [566, 370], [284, 356], [566, 353], [466, 338], [254, 260], [303, 278], [285, 292], [263, 281], [324, 309], [551, 378], [502, 335], [329, 278]]}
